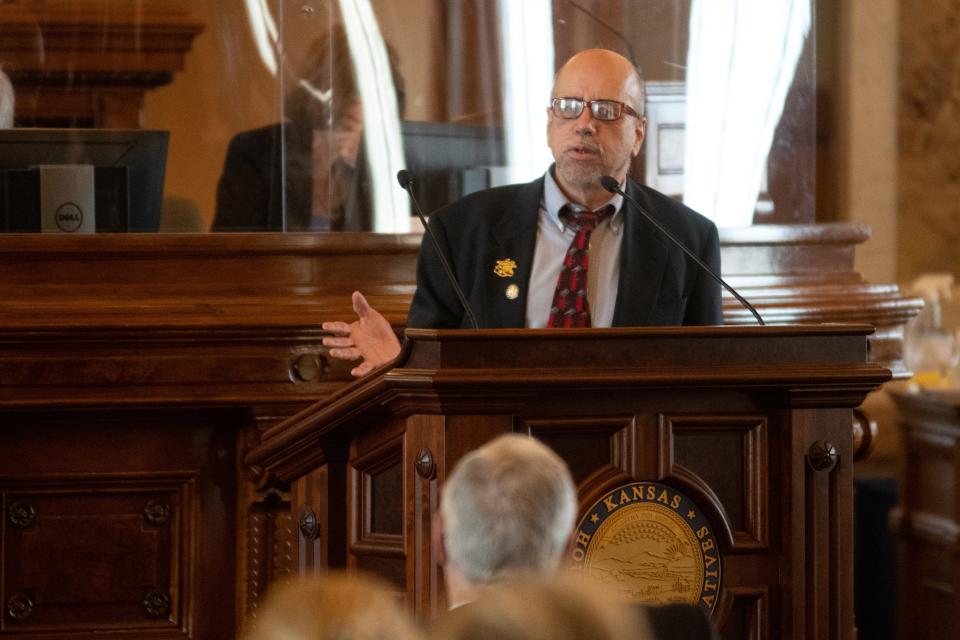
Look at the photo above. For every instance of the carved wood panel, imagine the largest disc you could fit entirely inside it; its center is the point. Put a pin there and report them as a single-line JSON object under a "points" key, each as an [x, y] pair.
{"points": [[823, 483], [70, 298], [738, 489], [376, 507], [683, 449], [117, 520], [271, 537], [426, 453], [748, 613], [753, 423], [926, 519], [123, 545], [595, 448]]}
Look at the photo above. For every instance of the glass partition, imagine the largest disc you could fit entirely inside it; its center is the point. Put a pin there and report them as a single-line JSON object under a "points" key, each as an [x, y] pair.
{"points": [[297, 116]]}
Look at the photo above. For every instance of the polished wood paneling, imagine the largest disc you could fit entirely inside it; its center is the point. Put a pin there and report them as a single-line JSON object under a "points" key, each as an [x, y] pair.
{"points": [[748, 617], [119, 355], [166, 332], [172, 319], [926, 519], [376, 500], [589, 446], [116, 520], [805, 274], [127, 539], [694, 444], [150, 282], [779, 399]]}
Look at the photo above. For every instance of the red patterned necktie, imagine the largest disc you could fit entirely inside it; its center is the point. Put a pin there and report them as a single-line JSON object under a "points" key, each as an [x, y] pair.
{"points": [[570, 308]]}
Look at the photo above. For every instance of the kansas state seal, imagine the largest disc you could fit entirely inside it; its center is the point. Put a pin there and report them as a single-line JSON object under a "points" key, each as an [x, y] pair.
{"points": [[652, 543]]}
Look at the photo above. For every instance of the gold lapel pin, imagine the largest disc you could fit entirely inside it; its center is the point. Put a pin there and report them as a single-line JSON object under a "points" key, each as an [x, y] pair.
{"points": [[513, 292], [505, 268]]}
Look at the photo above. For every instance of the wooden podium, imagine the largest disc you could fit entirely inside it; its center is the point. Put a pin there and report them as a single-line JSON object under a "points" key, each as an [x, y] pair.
{"points": [[752, 423]]}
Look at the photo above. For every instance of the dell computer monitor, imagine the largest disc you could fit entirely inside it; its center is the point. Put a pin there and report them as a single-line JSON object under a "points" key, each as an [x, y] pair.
{"points": [[142, 153]]}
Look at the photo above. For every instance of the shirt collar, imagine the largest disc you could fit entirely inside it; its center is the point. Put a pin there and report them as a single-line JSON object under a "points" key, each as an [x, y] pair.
{"points": [[554, 200]]}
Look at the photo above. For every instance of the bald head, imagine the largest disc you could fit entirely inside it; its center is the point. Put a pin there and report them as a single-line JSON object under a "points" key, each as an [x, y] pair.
{"points": [[585, 147], [618, 73]]}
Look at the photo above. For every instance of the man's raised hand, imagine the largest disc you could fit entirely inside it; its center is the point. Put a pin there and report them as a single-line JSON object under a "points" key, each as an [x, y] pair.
{"points": [[369, 338]]}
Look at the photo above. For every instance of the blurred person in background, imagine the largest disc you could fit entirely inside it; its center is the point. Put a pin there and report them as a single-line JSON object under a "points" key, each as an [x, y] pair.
{"points": [[308, 173], [335, 606]]}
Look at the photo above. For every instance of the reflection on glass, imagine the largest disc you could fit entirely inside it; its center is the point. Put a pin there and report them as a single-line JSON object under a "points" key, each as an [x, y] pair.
{"points": [[263, 30], [740, 67], [296, 116], [528, 66], [375, 72], [309, 172]]}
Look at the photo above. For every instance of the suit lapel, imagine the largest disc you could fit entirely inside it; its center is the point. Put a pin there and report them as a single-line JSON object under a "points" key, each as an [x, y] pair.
{"points": [[515, 237], [643, 258]]}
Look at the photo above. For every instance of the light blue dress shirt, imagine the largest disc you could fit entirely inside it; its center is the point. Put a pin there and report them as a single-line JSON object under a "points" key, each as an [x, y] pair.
{"points": [[553, 240]]}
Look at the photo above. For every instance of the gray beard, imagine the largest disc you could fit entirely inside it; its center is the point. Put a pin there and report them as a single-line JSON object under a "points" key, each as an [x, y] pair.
{"points": [[580, 175]]}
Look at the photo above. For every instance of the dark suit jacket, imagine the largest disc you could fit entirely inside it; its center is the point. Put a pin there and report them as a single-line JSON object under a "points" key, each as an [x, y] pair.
{"points": [[250, 190], [680, 622], [659, 285], [667, 622]]}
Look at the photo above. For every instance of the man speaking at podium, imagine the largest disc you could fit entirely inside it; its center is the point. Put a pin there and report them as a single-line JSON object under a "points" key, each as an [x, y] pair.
{"points": [[560, 251]]}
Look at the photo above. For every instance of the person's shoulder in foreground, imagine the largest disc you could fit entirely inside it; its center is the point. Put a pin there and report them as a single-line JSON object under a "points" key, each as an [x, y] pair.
{"points": [[244, 190], [334, 606], [536, 608]]}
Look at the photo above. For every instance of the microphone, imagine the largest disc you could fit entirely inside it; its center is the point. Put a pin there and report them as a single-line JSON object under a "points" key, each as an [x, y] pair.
{"points": [[611, 185], [406, 183]]}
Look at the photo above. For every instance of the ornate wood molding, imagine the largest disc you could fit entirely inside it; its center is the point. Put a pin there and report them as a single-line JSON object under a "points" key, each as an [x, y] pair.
{"points": [[799, 274], [135, 324], [91, 61], [677, 405]]}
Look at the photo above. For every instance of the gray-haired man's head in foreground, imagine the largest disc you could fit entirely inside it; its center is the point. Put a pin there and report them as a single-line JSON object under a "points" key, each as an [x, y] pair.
{"points": [[509, 507]]}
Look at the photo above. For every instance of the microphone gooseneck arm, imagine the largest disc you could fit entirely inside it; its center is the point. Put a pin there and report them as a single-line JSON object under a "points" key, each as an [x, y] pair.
{"points": [[611, 185], [406, 183]]}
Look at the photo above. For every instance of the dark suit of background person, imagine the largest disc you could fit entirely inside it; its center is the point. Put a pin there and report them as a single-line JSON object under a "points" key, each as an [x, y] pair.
{"points": [[251, 187], [659, 286], [250, 192]]}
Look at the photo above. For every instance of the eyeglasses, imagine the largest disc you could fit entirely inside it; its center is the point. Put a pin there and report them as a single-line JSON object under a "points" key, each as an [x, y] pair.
{"points": [[606, 110]]}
